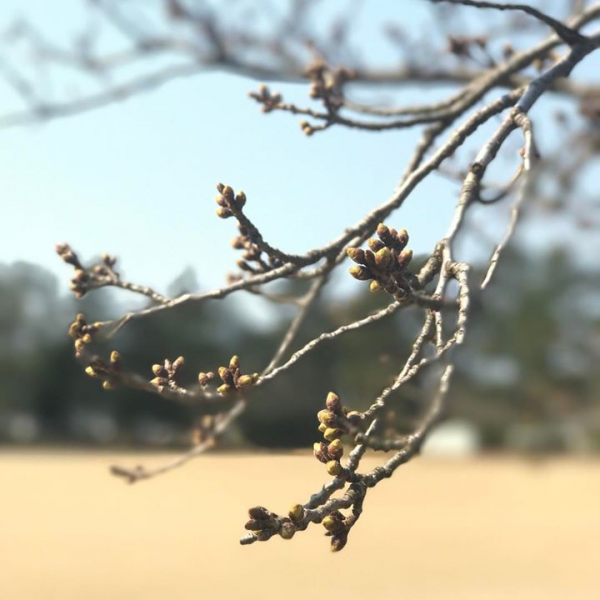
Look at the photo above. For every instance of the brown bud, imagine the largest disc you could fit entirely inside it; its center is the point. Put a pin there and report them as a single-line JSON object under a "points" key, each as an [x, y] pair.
{"points": [[326, 417], [401, 239], [159, 382], [370, 259], [224, 213], [220, 200], [336, 447], [375, 245], [360, 273], [244, 381], [333, 403], [287, 530], [227, 192], [220, 187], [258, 512], [403, 259], [240, 199], [338, 542], [254, 525], [178, 363], [356, 254], [383, 232], [224, 373]]}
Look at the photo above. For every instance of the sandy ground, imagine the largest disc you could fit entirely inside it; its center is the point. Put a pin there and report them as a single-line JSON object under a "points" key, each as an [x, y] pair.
{"points": [[479, 529]]}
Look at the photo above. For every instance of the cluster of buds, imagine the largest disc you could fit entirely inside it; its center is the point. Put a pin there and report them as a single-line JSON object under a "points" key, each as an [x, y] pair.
{"points": [[230, 203], [463, 45], [253, 260], [94, 277], [327, 83], [270, 101], [165, 375], [232, 377], [82, 333], [107, 371], [264, 524], [385, 263], [334, 421], [337, 527]]}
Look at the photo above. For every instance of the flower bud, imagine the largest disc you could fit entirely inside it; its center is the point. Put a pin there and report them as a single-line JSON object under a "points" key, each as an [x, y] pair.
{"points": [[258, 512], [401, 239], [334, 467], [404, 258], [224, 213], [244, 381], [287, 530], [356, 254], [375, 245], [240, 199], [333, 403], [296, 512], [91, 372], [384, 258], [326, 417], [227, 192], [360, 273], [329, 522], [331, 434]]}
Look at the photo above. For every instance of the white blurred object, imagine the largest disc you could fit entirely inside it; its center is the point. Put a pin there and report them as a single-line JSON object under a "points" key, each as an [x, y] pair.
{"points": [[453, 439]]}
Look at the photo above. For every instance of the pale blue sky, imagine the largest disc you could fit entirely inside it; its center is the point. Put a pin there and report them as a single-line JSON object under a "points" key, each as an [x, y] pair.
{"points": [[136, 179]]}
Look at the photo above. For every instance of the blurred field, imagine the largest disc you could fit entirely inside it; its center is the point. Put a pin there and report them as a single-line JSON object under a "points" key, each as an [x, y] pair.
{"points": [[480, 529]]}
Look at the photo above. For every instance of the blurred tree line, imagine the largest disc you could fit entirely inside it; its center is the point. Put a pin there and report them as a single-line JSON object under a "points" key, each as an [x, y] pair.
{"points": [[527, 379]]}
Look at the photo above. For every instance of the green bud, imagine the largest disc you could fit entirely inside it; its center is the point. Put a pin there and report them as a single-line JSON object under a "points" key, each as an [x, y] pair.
{"points": [[360, 273], [375, 245], [333, 403], [384, 258], [245, 381], [334, 467], [296, 512], [331, 434]]}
